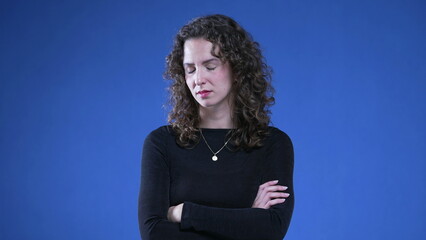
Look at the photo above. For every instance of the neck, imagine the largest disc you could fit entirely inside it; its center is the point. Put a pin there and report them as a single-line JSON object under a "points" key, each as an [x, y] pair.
{"points": [[215, 118]]}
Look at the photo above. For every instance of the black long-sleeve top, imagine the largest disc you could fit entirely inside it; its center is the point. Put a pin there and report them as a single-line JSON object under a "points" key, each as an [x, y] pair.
{"points": [[217, 195]]}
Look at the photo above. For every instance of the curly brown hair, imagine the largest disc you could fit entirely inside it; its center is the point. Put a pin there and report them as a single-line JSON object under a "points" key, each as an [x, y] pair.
{"points": [[252, 91]]}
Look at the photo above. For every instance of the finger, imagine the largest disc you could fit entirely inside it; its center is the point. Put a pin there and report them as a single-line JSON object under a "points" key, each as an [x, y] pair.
{"points": [[270, 195], [262, 187], [263, 198], [274, 202], [269, 183], [275, 188], [277, 195]]}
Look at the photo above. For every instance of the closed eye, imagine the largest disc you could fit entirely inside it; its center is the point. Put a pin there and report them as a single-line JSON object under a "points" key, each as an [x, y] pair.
{"points": [[190, 70]]}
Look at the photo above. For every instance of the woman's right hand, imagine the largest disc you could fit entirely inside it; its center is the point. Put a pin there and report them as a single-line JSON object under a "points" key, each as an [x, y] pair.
{"points": [[270, 194]]}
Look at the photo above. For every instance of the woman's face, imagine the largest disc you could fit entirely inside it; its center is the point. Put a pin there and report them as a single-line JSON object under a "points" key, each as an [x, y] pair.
{"points": [[207, 77]]}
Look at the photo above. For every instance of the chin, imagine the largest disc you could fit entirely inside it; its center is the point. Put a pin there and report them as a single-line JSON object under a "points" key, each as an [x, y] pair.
{"points": [[206, 104]]}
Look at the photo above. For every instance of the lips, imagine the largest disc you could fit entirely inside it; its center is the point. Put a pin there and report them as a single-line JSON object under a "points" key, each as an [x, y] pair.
{"points": [[204, 93]]}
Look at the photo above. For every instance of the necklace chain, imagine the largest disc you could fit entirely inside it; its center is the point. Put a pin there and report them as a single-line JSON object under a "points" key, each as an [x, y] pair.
{"points": [[214, 157]]}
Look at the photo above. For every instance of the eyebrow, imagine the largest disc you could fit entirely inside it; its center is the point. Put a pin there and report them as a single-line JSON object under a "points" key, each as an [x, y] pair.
{"points": [[204, 62]]}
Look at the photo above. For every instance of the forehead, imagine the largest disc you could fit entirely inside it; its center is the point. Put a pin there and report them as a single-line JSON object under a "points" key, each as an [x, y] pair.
{"points": [[197, 50]]}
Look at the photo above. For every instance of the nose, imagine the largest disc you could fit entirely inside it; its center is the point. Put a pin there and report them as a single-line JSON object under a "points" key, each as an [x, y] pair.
{"points": [[199, 78]]}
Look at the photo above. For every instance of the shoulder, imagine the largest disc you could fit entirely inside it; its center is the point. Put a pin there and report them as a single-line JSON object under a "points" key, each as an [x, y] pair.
{"points": [[276, 135], [160, 135], [157, 142], [161, 132], [155, 147], [279, 147]]}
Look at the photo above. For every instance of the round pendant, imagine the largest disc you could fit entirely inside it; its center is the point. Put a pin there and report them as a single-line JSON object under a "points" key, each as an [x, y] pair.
{"points": [[214, 158]]}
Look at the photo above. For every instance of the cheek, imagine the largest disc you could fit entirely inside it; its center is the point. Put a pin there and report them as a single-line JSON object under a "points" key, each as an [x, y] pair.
{"points": [[226, 76], [190, 85], [226, 81], [188, 82]]}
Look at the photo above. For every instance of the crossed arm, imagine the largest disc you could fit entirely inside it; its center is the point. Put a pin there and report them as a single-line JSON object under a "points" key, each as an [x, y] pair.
{"points": [[268, 195]]}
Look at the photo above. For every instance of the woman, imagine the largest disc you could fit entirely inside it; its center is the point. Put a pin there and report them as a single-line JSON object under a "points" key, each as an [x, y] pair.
{"points": [[218, 171]]}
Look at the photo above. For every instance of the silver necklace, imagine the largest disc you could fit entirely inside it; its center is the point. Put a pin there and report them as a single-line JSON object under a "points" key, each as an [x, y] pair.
{"points": [[214, 157]]}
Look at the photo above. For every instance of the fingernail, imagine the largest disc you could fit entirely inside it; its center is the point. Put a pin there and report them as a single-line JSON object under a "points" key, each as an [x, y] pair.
{"points": [[275, 181], [284, 188]]}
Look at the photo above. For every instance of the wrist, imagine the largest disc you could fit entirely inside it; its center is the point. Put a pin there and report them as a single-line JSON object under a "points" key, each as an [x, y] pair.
{"points": [[174, 213], [178, 212]]}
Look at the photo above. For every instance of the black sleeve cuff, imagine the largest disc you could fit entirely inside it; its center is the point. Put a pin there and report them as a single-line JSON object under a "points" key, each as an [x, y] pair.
{"points": [[185, 223]]}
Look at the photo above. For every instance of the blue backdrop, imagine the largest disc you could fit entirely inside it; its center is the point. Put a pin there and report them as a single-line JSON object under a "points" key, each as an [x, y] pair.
{"points": [[81, 87]]}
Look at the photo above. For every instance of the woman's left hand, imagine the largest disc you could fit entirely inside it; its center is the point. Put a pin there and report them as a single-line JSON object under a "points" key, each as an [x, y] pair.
{"points": [[270, 194], [175, 213]]}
